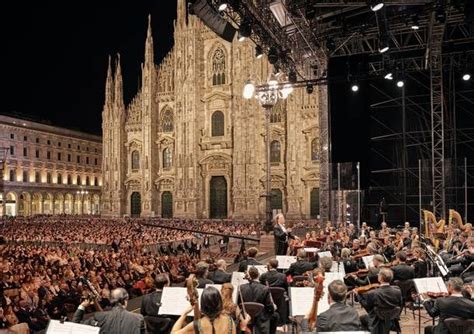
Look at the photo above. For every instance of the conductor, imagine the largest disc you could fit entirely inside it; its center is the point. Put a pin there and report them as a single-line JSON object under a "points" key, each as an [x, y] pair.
{"points": [[281, 234]]}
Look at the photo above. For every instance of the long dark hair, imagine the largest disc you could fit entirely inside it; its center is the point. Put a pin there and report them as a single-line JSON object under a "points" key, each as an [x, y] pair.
{"points": [[211, 304]]}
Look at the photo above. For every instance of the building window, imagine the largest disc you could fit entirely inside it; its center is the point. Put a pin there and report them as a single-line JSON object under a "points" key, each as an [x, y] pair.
{"points": [[87, 160], [95, 150], [68, 145], [12, 150], [12, 136], [78, 147], [37, 154], [88, 181], [167, 121], [37, 140], [217, 124], [275, 151], [96, 181], [49, 142], [135, 160], [25, 151], [87, 149], [78, 180], [276, 199], [59, 144], [95, 161], [218, 67], [25, 176], [12, 175], [48, 178], [48, 155], [68, 158], [78, 159], [314, 149], [25, 138], [60, 179], [59, 156], [69, 179], [167, 158], [37, 177]]}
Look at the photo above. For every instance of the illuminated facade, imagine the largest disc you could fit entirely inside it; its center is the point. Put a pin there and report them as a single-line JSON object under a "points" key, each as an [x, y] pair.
{"points": [[189, 145], [49, 170]]}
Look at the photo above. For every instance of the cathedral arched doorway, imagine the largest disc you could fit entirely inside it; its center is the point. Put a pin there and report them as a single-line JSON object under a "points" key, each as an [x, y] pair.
{"points": [[218, 197], [135, 204], [167, 205], [276, 200], [314, 203]]}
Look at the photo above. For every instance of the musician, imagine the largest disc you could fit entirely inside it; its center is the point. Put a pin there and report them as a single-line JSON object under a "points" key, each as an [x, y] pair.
{"points": [[255, 292], [202, 270], [151, 306], [405, 242], [220, 276], [384, 231], [281, 234], [373, 272], [272, 277], [339, 317], [386, 297], [325, 263], [420, 266], [349, 264], [301, 265], [447, 307], [462, 264], [402, 271], [117, 320], [250, 260]]}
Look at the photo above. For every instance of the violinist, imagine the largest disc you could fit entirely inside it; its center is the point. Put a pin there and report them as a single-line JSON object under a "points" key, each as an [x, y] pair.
{"points": [[202, 270], [462, 264], [151, 305], [250, 260], [454, 305], [339, 317], [372, 273], [220, 276], [384, 231], [405, 242], [420, 266], [402, 271], [301, 265], [272, 277], [349, 264]]}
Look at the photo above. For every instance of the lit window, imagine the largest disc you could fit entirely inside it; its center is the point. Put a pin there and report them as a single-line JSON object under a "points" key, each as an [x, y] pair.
{"points": [[218, 67], [135, 160], [275, 151], [167, 158]]}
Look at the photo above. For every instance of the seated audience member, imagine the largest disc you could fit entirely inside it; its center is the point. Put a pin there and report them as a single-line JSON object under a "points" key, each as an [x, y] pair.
{"points": [[150, 307], [340, 317], [453, 306], [220, 276], [272, 277], [202, 270], [250, 260]]}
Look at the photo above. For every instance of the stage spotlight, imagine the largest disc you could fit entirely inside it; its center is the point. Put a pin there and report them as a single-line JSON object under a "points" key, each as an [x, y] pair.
{"points": [[388, 75], [292, 77], [272, 55], [244, 31], [258, 52], [383, 44], [376, 5], [222, 6], [355, 87], [309, 88], [415, 25], [400, 83], [466, 76], [249, 89]]}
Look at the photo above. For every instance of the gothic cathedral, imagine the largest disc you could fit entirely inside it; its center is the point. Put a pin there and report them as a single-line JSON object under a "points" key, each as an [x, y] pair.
{"points": [[190, 146]]}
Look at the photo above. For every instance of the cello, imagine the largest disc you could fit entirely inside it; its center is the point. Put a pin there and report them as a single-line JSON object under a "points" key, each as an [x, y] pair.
{"points": [[318, 292]]}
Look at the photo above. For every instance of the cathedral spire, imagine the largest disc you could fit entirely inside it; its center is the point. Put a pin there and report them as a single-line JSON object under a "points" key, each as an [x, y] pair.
{"points": [[109, 86], [149, 46], [181, 13], [118, 93]]}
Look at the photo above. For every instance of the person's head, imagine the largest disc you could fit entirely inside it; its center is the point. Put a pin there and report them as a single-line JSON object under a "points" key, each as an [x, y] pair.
{"points": [[280, 219], [211, 303], [301, 254], [337, 291], [221, 264], [345, 253], [273, 264], [252, 252], [226, 290], [384, 225], [407, 224], [325, 263], [385, 275], [401, 256], [455, 285], [378, 260], [202, 269], [161, 280], [253, 273], [119, 296]]}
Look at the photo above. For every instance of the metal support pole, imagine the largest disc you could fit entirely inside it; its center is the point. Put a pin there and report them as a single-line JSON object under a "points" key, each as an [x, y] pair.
{"points": [[465, 190], [339, 211], [419, 195], [404, 156], [268, 190], [358, 196]]}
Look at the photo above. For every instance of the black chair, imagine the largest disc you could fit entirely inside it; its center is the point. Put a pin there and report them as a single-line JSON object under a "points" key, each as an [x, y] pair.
{"points": [[252, 309], [387, 320], [408, 288], [280, 299], [157, 325], [297, 280], [459, 326]]}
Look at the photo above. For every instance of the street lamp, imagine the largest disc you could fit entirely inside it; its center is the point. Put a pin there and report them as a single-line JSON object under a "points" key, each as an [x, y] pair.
{"points": [[267, 95]]}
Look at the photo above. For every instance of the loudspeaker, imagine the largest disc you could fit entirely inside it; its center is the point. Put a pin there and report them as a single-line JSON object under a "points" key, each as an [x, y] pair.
{"points": [[213, 19]]}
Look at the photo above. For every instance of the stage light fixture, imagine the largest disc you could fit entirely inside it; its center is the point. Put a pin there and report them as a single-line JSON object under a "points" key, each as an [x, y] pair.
{"points": [[400, 83], [355, 87], [292, 77], [249, 89], [309, 88], [258, 52], [383, 44], [415, 24], [388, 75], [466, 76], [222, 6], [212, 19], [272, 55], [376, 5], [245, 30]]}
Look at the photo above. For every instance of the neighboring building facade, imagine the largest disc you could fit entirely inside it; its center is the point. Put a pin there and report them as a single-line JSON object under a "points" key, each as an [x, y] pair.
{"points": [[188, 145], [49, 170]]}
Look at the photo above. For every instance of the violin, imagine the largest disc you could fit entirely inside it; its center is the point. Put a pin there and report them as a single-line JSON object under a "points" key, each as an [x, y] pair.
{"points": [[435, 295], [318, 292], [366, 288], [359, 273], [193, 295], [361, 253]]}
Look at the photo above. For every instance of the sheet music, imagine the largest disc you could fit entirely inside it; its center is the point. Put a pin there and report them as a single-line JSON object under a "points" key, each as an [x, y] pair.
{"points": [[430, 284], [174, 301], [219, 287], [326, 253], [368, 261], [261, 269], [284, 261], [56, 327], [238, 279], [338, 267], [329, 277], [311, 249]]}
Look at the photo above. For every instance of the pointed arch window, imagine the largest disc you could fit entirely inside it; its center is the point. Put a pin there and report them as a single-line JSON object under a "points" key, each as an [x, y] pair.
{"points": [[48, 178], [275, 149], [78, 180], [167, 121], [69, 179], [135, 160], [60, 179], [167, 158], [218, 67], [217, 124], [88, 181], [12, 175], [314, 149]]}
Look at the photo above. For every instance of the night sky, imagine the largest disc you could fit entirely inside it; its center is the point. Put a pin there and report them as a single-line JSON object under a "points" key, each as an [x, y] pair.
{"points": [[55, 55]]}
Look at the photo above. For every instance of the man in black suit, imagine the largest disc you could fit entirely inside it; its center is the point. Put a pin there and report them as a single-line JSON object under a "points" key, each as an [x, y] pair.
{"points": [[455, 306], [151, 306], [220, 276], [202, 270], [301, 265], [255, 292], [383, 299], [272, 277], [402, 271], [340, 317], [250, 260], [281, 234], [117, 320]]}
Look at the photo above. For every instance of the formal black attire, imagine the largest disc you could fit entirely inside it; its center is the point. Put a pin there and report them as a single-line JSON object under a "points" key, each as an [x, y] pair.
{"points": [[281, 239], [338, 318], [250, 261], [300, 267], [403, 272], [149, 308], [202, 282], [258, 293], [448, 307], [219, 276], [274, 279]]}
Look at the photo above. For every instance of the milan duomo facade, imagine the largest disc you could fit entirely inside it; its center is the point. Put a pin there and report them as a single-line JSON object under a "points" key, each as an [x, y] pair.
{"points": [[188, 145]]}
